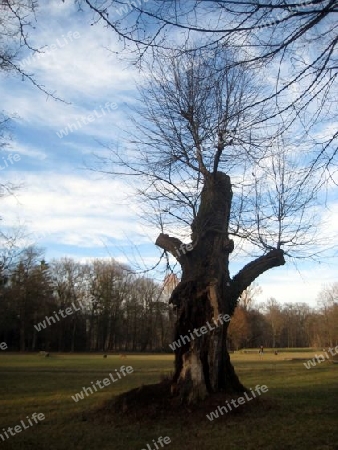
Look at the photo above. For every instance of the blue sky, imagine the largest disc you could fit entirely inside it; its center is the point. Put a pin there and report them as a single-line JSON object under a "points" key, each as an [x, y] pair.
{"points": [[68, 209]]}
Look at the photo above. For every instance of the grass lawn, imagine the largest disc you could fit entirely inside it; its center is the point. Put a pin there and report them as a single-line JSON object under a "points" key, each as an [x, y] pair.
{"points": [[299, 411]]}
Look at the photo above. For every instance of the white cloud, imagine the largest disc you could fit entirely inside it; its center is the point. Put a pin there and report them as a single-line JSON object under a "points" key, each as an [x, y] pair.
{"points": [[289, 285], [73, 209], [27, 150], [75, 66]]}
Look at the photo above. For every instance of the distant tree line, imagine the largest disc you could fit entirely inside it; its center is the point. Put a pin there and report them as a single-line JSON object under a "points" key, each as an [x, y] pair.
{"points": [[104, 306], [97, 306], [290, 325]]}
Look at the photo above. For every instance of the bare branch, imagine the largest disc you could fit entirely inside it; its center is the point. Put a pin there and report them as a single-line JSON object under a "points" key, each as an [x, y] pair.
{"points": [[254, 269]]}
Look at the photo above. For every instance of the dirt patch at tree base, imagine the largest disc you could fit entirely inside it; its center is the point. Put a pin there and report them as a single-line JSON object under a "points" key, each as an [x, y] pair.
{"points": [[154, 402]]}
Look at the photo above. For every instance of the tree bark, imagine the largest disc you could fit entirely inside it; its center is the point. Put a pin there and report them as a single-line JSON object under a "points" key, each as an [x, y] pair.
{"points": [[207, 293]]}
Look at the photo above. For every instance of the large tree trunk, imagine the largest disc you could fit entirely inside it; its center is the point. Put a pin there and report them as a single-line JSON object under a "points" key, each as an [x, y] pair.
{"points": [[206, 293]]}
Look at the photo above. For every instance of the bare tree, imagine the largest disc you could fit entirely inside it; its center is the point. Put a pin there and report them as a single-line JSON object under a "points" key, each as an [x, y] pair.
{"points": [[247, 297], [296, 318], [295, 42], [17, 18], [192, 134], [275, 318], [108, 287], [328, 303], [239, 330], [69, 290], [28, 288]]}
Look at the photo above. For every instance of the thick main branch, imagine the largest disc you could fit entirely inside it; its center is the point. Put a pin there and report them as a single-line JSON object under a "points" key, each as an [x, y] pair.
{"points": [[251, 271], [169, 244]]}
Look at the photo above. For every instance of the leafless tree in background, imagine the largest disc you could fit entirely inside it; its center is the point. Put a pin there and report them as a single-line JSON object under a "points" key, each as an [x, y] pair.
{"points": [[117, 311], [17, 18], [293, 42], [328, 303]]}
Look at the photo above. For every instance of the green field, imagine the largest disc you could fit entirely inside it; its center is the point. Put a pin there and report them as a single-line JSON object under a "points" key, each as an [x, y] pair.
{"points": [[300, 410]]}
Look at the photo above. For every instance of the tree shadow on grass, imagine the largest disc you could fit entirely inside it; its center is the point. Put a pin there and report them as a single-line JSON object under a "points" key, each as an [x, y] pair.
{"points": [[154, 402]]}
